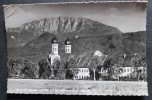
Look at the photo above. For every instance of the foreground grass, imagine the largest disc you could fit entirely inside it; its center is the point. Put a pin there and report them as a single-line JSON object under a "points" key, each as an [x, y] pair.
{"points": [[76, 87]]}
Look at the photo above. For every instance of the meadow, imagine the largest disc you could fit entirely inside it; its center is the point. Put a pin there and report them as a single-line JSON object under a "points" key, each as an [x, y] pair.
{"points": [[76, 87]]}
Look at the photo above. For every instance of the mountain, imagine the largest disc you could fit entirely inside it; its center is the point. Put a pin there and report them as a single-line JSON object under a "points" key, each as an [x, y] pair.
{"points": [[69, 26], [111, 45], [33, 40]]}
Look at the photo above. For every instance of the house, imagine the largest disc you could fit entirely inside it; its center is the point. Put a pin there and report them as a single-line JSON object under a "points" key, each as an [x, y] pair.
{"points": [[83, 73], [126, 71], [84, 62], [104, 72], [142, 69]]}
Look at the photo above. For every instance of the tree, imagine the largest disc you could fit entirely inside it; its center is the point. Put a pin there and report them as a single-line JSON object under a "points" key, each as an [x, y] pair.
{"points": [[69, 74], [113, 65], [55, 67], [61, 71], [95, 62], [137, 62], [11, 64], [98, 72], [115, 71], [14, 68], [117, 64], [44, 69], [29, 70], [73, 67], [108, 65]]}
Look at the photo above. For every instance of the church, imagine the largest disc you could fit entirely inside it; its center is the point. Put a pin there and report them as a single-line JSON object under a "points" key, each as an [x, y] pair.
{"points": [[55, 49], [83, 73]]}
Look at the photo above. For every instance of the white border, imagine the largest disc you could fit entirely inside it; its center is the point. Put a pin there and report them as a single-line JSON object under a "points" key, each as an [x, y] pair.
{"points": [[85, 2]]}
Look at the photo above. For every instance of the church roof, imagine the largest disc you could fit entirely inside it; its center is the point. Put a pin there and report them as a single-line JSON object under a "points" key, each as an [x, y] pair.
{"points": [[67, 41], [54, 40]]}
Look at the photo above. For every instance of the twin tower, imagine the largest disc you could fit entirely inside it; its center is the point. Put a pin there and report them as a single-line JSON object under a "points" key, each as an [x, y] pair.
{"points": [[54, 54]]}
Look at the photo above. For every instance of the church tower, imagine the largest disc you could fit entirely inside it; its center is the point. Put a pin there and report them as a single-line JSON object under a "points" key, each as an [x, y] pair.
{"points": [[55, 46], [67, 46], [54, 54]]}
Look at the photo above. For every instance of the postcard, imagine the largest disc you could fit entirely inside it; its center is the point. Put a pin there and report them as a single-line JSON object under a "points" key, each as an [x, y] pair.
{"points": [[76, 49]]}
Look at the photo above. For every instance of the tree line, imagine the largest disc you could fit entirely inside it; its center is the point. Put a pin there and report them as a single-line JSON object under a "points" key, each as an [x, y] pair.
{"points": [[60, 70], [25, 69]]}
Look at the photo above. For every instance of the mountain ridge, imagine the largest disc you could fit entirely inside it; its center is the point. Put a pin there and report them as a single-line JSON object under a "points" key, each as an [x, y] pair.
{"points": [[58, 26], [112, 45], [86, 36]]}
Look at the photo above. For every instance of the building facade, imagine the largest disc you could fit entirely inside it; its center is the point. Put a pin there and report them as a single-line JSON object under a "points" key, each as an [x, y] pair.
{"points": [[126, 71], [67, 46], [54, 55], [83, 73]]}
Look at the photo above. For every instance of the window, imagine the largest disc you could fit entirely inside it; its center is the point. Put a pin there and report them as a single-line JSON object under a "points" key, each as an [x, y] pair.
{"points": [[128, 70], [66, 50], [124, 70]]}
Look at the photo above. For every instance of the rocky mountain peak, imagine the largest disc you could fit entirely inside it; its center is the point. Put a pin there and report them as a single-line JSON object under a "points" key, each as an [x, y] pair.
{"points": [[59, 25], [67, 26], [56, 25]]}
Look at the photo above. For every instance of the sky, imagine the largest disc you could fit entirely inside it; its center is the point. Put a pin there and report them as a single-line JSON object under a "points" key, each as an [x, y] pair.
{"points": [[127, 17]]}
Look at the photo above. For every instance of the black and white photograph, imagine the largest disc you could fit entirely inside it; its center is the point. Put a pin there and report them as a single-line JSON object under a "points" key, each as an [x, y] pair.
{"points": [[76, 49]]}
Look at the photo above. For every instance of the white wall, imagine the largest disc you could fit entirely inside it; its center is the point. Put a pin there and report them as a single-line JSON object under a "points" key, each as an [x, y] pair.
{"points": [[82, 73], [55, 49], [67, 48]]}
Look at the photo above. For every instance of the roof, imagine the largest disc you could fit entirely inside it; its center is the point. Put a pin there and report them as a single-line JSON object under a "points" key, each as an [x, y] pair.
{"points": [[67, 41], [54, 40]]}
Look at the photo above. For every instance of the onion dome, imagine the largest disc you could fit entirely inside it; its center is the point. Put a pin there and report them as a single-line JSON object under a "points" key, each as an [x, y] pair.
{"points": [[54, 40], [67, 42]]}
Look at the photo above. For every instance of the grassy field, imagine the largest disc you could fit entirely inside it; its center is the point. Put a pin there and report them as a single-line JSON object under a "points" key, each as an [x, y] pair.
{"points": [[75, 87]]}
